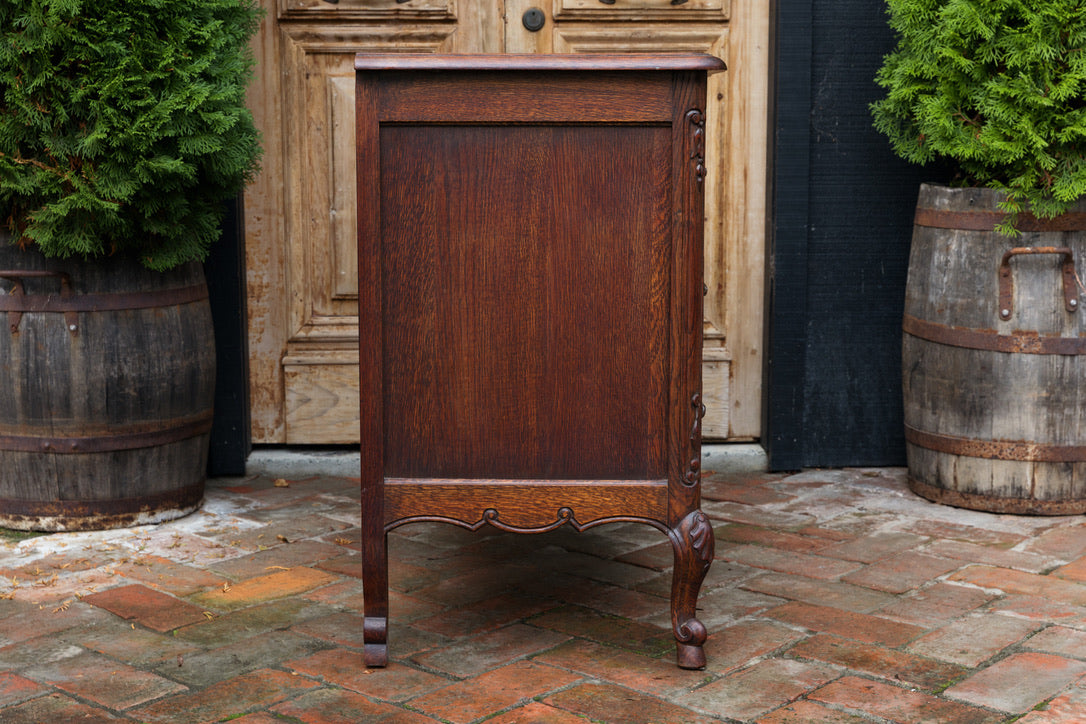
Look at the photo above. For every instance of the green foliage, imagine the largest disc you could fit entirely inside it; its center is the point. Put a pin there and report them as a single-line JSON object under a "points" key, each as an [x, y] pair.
{"points": [[123, 124], [995, 86]]}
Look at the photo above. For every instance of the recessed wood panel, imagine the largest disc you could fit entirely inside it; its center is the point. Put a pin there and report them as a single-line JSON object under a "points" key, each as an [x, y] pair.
{"points": [[643, 9], [341, 169], [386, 10], [525, 300], [500, 98]]}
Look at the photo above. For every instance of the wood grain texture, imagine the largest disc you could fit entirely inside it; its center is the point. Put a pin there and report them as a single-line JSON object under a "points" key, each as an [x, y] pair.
{"points": [[467, 502], [498, 97], [371, 10], [522, 300], [321, 398], [510, 62], [299, 235], [265, 241], [686, 406], [735, 261], [694, 546], [531, 297], [371, 372], [643, 10], [105, 412], [991, 406]]}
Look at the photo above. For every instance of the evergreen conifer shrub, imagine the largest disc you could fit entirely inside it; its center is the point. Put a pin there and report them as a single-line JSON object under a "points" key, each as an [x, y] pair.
{"points": [[996, 87], [123, 124]]}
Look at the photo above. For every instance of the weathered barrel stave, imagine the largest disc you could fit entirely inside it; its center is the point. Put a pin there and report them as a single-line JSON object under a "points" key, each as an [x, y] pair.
{"points": [[107, 424], [1006, 390], [967, 394]]}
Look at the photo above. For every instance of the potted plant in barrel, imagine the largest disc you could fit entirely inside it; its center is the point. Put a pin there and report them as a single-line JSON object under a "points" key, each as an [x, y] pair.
{"points": [[123, 130], [994, 350]]}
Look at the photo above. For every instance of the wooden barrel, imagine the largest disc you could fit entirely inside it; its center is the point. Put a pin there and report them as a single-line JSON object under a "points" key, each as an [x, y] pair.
{"points": [[106, 392], [994, 372]]}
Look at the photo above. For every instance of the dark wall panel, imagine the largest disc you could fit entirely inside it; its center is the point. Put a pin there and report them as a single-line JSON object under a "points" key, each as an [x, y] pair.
{"points": [[225, 269], [854, 247], [786, 303]]}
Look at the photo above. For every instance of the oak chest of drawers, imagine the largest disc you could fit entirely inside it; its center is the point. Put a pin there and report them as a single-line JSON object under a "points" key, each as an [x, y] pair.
{"points": [[530, 292]]}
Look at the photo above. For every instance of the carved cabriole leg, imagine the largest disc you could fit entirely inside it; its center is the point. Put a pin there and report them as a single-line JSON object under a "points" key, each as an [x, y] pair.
{"points": [[693, 544]]}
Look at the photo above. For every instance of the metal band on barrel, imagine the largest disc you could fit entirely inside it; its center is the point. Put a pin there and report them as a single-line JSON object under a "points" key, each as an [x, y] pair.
{"points": [[990, 340], [159, 432], [103, 302], [77, 512], [995, 503], [988, 220], [996, 449]]}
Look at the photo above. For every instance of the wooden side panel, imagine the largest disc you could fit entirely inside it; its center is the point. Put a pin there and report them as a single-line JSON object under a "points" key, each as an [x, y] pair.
{"points": [[498, 98], [531, 300], [558, 378], [685, 408]]}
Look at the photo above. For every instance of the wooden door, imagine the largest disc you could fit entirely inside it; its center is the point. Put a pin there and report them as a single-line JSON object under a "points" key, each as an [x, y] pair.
{"points": [[300, 220]]}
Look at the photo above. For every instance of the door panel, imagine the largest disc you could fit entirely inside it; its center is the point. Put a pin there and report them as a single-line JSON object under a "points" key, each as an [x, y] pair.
{"points": [[395, 11], [643, 9], [300, 217]]}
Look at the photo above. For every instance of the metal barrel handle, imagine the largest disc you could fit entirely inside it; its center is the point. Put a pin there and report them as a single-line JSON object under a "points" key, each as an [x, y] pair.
{"points": [[1006, 280]]}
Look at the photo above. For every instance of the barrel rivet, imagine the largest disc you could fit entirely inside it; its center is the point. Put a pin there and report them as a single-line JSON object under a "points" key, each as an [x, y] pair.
{"points": [[1005, 313]]}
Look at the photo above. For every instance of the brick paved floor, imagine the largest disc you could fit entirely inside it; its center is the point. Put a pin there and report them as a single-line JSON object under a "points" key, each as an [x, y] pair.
{"points": [[836, 596]]}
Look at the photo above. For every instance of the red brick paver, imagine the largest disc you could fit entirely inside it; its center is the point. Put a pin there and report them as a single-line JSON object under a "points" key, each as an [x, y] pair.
{"points": [[1075, 571], [14, 688], [57, 708], [859, 626], [901, 573], [147, 607], [227, 699], [837, 597], [337, 706], [537, 713], [611, 704], [1034, 584], [899, 704], [811, 712], [762, 687], [1069, 708], [343, 667], [973, 639], [878, 661], [82, 676], [1018, 682], [268, 587], [472, 699]]}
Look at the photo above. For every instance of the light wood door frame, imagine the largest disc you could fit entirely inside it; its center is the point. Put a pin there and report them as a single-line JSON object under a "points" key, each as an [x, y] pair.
{"points": [[302, 330]]}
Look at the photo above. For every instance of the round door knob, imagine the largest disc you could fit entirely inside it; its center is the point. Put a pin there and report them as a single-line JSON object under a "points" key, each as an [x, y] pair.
{"points": [[534, 19]]}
